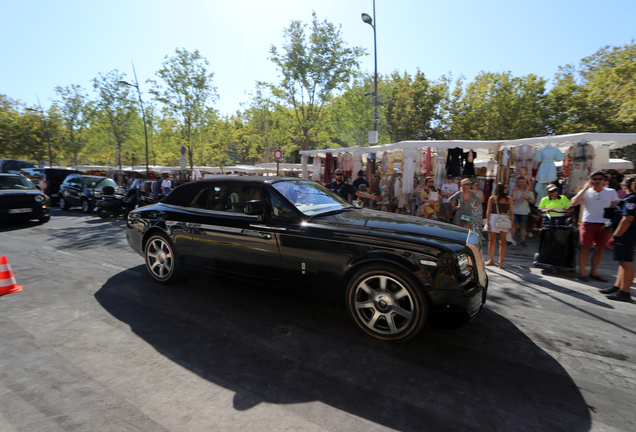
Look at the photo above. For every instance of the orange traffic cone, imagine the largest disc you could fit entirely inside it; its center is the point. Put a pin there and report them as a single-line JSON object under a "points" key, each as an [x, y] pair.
{"points": [[8, 284]]}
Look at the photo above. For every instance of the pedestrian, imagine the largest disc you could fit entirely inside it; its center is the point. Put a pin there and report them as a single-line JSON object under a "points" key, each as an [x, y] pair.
{"points": [[554, 207], [593, 198], [498, 220], [430, 200], [166, 185], [446, 191], [464, 202], [344, 189], [416, 196], [360, 180], [522, 197], [478, 212], [624, 245]]}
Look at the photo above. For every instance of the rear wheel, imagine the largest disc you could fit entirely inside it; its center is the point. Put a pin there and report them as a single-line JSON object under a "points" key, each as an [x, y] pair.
{"points": [[162, 261], [62, 203], [45, 219], [104, 214], [386, 304]]}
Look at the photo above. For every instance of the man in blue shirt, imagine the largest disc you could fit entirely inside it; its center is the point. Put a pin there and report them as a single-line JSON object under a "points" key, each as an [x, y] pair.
{"points": [[624, 245]]}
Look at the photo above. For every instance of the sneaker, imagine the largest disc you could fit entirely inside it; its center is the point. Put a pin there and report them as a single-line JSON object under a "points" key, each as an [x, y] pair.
{"points": [[620, 296], [611, 290], [598, 278], [530, 235], [509, 243], [523, 244], [582, 278]]}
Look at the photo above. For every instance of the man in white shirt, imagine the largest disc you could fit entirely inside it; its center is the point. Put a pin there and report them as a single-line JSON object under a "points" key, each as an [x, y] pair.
{"points": [[593, 199], [447, 189]]}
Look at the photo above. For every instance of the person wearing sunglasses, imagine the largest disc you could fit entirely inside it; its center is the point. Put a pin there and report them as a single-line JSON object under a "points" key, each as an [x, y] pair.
{"points": [[345, 189], [624, 244], [554, 207], [593, 198]]}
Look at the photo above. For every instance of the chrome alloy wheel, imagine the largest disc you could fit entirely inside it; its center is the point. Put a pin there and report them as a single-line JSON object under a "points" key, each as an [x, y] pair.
{"points": [[383, 304], [159, 258]]}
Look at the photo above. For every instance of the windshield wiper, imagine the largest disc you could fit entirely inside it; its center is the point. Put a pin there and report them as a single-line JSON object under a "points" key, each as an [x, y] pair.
{"points": [[333, 212]]}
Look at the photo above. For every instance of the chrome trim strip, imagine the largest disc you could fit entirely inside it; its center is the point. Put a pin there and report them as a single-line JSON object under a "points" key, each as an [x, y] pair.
{"points": [[268, 227], [428, 263], [474, 244]]}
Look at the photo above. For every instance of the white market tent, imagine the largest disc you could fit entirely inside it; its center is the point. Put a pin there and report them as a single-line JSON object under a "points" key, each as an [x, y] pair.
{"points": [[485, 149]]}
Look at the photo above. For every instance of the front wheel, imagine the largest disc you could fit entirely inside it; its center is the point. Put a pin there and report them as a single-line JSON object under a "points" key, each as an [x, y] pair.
{"points": [[45, 219], [162, 261], [104, 214], [86, 206], [386, 304]]}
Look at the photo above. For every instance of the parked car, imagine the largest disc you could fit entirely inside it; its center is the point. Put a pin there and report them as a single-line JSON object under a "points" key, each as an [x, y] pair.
{"points": [[48, 180], [20, 199], [392, 271], [82, 190]]}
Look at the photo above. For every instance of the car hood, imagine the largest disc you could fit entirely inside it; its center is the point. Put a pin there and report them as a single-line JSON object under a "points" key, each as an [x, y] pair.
{"points": [[392, 223]]}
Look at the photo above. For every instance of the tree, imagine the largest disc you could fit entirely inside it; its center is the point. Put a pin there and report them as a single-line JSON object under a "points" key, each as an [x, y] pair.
{"points": [[313, 68], [117, 106], [186, 92], [498, 106], [75, 110], [414, 106]]}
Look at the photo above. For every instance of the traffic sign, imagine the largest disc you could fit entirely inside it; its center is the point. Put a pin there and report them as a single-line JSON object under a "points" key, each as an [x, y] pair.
{"points": [[183, 150], [278, 154]]}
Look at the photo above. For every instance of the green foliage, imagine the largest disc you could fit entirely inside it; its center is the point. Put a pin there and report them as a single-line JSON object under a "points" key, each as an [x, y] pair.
{"points": [[187, 88], [313, 67], [76, 111], [498, 106]]}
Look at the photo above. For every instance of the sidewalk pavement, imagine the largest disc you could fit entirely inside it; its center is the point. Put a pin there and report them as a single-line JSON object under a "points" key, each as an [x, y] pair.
{"points": [[520, 257]]}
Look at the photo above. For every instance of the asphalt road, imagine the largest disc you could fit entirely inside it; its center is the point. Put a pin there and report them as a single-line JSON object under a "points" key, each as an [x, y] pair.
{"points": [[92, 343]]}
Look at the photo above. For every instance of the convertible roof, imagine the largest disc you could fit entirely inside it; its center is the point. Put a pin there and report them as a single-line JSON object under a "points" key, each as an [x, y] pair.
{"points": [[184, 194]]}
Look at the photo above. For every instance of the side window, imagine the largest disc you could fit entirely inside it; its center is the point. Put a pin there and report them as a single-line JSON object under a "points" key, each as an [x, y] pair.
{"points": [[74, 180], [201, 198], [229, 198], [279, 208]]}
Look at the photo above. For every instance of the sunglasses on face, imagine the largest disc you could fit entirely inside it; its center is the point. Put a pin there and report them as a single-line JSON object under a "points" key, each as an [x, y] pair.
{"points": [[337, 175], [598, 179]]}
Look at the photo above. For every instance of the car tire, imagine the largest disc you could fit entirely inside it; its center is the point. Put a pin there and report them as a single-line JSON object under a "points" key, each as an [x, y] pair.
{"points": [[62, 203], [86, 207], [386, 303], [162, 262], [104, 214], [45, 219]]}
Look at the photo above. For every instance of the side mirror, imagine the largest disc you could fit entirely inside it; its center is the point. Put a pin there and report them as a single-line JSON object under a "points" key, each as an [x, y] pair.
{"points": [[254, 208]]}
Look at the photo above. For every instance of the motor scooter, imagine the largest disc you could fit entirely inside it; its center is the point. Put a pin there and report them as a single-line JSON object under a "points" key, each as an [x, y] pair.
{"points": [[113, 205]]}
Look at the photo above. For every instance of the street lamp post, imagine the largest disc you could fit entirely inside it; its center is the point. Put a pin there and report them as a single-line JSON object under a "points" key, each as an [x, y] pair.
{"points": [[368, 20], [143, 113], [46, 127]]}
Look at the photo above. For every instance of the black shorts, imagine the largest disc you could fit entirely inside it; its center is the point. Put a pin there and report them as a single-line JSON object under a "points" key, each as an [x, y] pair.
{"points": [[624, 249]]}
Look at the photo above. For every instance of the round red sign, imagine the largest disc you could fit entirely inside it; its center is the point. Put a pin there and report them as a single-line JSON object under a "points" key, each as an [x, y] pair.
{"points": [[278, 155]]}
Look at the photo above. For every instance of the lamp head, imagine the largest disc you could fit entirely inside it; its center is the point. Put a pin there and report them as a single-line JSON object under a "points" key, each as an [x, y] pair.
{"points": [[367, 19]]}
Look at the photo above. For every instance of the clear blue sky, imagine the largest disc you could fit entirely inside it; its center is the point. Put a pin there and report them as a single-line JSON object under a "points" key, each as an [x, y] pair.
{"points": [[49, 43]]}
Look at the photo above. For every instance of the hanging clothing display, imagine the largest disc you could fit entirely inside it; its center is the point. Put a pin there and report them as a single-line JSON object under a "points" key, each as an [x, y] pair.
{"points": [[525, 158], [370, 169], [468, 162], [317, 168], [384, 165], [346, 163], [426, 167], [408, 170], [547, 172], [504, 158], [328, 168], [440, 168], [454, 162], [357, 161], [492, 168], [582, 155]]}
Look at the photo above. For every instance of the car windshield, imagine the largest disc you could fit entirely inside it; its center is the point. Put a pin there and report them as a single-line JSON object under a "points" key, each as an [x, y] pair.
{"points": [[100, 182], [15, 182], [311, 198]]}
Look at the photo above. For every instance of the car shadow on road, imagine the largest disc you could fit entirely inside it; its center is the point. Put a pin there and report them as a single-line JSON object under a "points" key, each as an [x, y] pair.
{"points": [[271, 346]]}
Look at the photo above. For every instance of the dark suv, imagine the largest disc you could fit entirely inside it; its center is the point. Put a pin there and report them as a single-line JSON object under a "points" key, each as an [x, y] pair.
{"points": [[82, 190], [48, 180], [19, 199]]}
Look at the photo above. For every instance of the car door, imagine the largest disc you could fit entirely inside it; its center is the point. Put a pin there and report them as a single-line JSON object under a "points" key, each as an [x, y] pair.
{"points": [[227, 240], [73, 189]]}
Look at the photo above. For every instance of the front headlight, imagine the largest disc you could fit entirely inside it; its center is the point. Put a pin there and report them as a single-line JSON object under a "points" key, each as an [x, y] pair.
{"points": [[39, 198], [465, 264]]}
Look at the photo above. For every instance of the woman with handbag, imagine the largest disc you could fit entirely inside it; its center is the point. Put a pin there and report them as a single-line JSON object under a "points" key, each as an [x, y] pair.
{"points": [[464, 202], [498, 220]]}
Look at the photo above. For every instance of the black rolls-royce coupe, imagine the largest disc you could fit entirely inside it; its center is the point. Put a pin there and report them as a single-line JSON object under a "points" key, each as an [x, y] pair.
{"points": [[393, 271]]}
